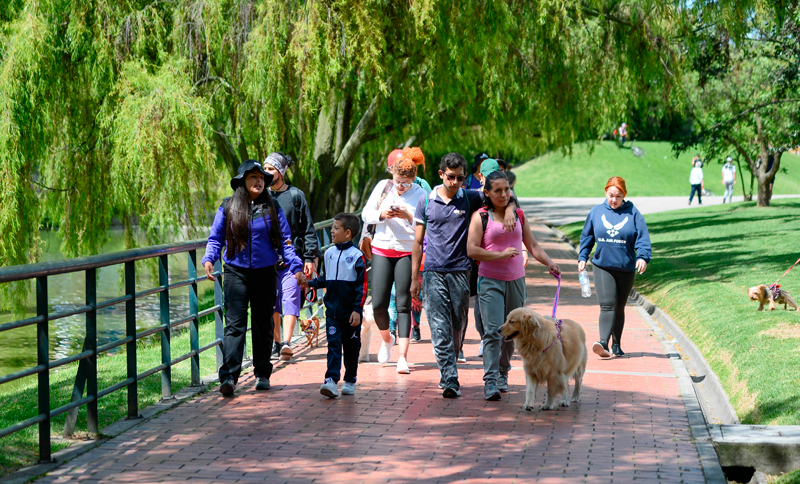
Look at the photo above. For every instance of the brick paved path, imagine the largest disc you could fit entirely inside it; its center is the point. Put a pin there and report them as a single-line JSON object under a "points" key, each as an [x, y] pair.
{"points": [[631, 424]]}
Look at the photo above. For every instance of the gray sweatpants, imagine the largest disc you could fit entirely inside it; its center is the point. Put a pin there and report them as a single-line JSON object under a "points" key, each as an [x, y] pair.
{"points": [[447, 306], [498, 298], [728, 192]]}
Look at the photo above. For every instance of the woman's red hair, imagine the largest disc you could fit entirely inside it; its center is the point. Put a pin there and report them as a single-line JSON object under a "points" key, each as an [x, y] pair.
{"points": [[619, 182], [410, 159]]}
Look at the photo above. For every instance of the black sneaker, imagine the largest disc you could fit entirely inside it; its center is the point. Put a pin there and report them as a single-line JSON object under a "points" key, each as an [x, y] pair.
{"points": [[227, 387], [490, 392], [262, 383], [616, 350], [451, 389], [600, 348], [502, 384], [276, 350], [394, 333], [415, 336], [461, 358]]}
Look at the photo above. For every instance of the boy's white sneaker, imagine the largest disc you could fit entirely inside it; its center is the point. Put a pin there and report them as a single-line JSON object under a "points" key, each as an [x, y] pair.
{"points": [[402, 366], [329, 388], [348, 388], [386, 350], [480, 350]]}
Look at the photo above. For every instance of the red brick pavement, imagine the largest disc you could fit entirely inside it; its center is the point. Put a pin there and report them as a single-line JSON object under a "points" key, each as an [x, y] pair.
{"points": [[631, 424]]}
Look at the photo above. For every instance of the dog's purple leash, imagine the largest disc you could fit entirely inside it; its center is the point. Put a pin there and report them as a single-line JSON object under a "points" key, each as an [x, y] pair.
{"points": [[558, 321]]}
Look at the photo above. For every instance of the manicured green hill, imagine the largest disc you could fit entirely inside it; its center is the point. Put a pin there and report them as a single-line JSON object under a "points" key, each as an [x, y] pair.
{"points": [[658, 173], [704, 260]]}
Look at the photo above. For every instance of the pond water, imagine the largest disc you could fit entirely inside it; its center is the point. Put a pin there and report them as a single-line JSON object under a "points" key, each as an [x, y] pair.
{"points": [[18, 346]]}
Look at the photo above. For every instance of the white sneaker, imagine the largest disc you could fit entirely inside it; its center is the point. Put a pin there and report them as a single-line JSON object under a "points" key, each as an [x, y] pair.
{"points": [[329, 388], [461, 358], [480, 350], [402, 366], [386, 350], [348, 388]]}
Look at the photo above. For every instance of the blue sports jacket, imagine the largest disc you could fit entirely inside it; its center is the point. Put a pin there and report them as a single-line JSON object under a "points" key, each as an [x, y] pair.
{"points": [[344, 280], [621, 236], [259, 252]]}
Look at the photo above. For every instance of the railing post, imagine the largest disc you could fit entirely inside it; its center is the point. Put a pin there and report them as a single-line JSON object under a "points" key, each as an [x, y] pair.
{"points": [[218, 333], [130, 347], [91, 344], [43, 358], [194, 324], [166, 373]]}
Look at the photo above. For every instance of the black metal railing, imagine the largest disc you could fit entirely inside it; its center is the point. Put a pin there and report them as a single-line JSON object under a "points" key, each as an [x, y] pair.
{"points": [[86, 377]]}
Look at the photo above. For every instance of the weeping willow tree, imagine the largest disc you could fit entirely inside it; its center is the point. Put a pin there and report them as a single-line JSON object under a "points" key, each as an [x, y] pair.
{"points": [[129, 110]]}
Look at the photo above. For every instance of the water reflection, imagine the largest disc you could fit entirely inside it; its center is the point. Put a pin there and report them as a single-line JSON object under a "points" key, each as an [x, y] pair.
{"points": [[67, 291]]}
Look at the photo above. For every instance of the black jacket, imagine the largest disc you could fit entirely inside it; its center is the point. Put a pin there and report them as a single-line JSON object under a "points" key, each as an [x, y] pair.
{"points": [[304, 237]]}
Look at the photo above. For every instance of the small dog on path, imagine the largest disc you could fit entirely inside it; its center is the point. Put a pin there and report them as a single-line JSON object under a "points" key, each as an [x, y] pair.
{"points": [[310, 328], [546, 357], [770, 295]]}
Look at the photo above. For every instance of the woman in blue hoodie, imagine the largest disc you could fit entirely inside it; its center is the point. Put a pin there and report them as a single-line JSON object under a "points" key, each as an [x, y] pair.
{"points": [[257, 242], [623, 247]]}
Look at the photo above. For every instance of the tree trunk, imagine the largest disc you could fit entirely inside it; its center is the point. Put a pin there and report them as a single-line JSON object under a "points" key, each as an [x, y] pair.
{"points": [[226, 150]]}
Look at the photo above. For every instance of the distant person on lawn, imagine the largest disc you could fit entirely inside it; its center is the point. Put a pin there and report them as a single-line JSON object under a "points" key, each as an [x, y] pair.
{"points": [[623, 134], [728, 179], [696, 181], [623, 247], [345, 283]]}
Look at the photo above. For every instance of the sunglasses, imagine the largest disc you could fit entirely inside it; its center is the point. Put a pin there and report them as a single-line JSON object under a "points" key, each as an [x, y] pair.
{"points": [[460, 178], [403, 185]]}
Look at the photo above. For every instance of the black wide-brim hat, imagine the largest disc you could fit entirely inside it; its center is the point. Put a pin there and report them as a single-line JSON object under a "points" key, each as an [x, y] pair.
{"points": [[250, 165]]}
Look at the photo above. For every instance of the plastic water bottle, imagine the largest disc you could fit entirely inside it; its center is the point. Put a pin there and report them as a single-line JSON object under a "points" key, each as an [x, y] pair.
{"points": [[586, 286]]}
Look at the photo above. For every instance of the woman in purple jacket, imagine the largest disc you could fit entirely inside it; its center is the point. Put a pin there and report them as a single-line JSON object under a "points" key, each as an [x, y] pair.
{"points": [[257, 242]]}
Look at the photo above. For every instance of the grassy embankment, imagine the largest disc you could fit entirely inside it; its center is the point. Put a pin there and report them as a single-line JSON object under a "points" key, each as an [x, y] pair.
{"points": [[704, 259], [658, 173], [21, 448]]}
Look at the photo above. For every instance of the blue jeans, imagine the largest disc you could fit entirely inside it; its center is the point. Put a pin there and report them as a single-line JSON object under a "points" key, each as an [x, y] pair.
{"points": [[698, 190]]}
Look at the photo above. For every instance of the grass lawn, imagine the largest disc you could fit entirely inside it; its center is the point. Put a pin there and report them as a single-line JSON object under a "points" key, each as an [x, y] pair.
{"points": [[21, 449], [704, 259], [658, 173]]}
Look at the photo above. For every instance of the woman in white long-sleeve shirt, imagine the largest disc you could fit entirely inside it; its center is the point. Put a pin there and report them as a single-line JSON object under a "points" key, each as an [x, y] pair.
{"points": [[391, 208]]}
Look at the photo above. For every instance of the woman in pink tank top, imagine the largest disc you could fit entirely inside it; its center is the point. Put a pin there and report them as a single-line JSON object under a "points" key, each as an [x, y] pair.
{"points": [[501, 276]]}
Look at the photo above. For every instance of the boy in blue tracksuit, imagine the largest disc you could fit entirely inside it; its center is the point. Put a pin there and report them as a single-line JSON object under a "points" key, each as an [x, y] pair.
{"points": [[345, 283]]}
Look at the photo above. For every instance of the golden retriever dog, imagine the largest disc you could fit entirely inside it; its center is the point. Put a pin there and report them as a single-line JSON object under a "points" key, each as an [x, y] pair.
{"points": [[545, 357], [367, 322], [764, 295]]}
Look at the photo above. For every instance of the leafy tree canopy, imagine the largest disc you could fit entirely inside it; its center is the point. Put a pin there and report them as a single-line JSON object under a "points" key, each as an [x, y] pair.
{"points": [[744, 86], [129, 109]]}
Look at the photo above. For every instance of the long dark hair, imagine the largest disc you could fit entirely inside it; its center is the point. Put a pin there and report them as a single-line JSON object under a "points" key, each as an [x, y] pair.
{"points": [[490, 179], [237, 230]]}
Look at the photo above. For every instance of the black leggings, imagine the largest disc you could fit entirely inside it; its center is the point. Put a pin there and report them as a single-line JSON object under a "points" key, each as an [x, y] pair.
{"points": [[385, 271], [612, 288]]}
